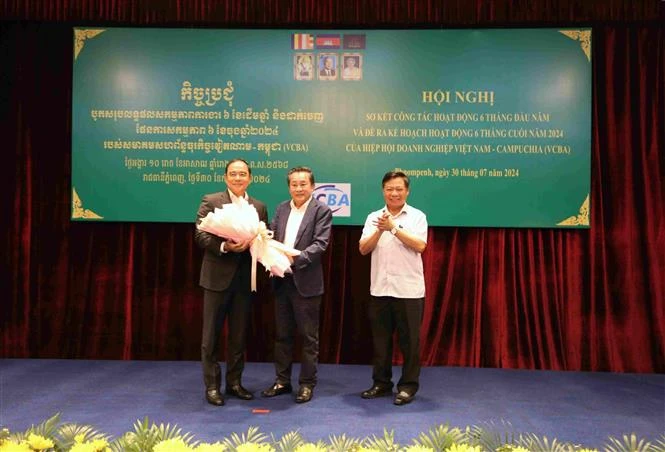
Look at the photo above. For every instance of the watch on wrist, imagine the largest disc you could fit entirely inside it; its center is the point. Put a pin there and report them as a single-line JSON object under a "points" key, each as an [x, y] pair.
{"points": [[393, 231]]}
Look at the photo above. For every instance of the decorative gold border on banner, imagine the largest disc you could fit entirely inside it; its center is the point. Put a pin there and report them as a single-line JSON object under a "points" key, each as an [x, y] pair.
{"points": [[581, 219], [78, 211], [584, 36], [80, 36]]}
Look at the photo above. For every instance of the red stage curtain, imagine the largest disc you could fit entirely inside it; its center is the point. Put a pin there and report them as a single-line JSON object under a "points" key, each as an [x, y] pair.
{"points": [[511, 298]]}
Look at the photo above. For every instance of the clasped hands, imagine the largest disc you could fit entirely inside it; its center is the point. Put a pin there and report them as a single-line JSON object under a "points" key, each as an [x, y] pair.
{"points": [[239, 247], [384, 222]]}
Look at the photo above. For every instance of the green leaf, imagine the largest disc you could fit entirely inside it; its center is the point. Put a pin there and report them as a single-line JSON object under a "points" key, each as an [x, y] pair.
{"points": [[47, 428], [67, 433], [659, 445], [536, 443], [167, 432], [628, 443], [385, 444], [343, 443], [289, 442], [491, 435], [440, 438], [253, 436]]}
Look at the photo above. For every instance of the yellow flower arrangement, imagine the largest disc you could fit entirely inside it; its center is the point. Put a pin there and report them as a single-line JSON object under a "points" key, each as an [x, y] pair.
{"points": [[11, 446], [518, 449], [172, 445], [82, 447], [215, 447], [254, 447], [311, 447], [96, 445], [463, 448], [51, 436], [38, 442]]}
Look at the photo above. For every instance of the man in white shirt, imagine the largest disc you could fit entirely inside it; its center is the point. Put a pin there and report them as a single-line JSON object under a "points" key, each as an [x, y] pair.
{"points": [[396, 235], [303, 223]]}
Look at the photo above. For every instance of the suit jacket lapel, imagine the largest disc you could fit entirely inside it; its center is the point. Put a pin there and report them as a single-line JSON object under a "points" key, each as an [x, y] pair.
{"points": [[250, 201], [283, 219], [306, 219], [224, 197]]}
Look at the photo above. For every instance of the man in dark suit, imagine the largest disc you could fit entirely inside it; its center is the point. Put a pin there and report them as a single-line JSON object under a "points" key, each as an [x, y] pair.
{"points": [[328, 69], [225, 278], [303, 223]]}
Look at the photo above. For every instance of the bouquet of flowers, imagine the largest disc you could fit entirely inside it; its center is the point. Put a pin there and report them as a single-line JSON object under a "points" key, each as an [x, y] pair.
{"points": [[240, 222]]}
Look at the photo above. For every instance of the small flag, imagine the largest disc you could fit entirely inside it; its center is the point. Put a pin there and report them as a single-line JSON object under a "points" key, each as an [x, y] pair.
{"points": [[328, 41], [300, 41], [354, 41]]}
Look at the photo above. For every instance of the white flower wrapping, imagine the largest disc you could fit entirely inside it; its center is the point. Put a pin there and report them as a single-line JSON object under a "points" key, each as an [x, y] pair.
{"points": [[240, 222]]}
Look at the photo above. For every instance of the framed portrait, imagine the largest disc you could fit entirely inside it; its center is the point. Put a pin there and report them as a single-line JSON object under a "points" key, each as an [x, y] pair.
{"points": [[327, 66], [303, 66], [352, 66]]}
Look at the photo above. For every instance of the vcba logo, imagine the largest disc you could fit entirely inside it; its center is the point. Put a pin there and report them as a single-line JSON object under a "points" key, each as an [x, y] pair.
{"points": [[336, 196]]}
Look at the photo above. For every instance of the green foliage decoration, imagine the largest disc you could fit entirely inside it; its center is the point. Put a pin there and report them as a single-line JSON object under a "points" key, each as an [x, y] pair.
{"points": [[53, 436]]}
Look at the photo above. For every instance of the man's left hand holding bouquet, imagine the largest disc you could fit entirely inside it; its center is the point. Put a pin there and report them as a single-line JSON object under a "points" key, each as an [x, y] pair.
{"points": [[241, 225]]}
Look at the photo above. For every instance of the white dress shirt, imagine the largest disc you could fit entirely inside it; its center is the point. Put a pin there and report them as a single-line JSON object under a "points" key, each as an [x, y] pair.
{"points": [[235, 200], [293, 223], [397, 270]]}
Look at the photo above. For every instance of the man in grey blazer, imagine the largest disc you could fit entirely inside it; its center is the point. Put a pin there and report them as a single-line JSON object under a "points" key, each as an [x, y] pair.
{"points": [[225, 278], [303, 223]]}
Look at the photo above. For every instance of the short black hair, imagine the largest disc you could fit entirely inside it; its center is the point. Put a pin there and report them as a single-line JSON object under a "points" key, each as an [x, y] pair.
{"points": [[390, 175], [226, 170], [300, 169]]}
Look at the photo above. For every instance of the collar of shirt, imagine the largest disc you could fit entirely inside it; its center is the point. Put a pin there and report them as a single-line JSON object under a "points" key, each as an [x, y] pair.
{"points": [[302, 208], [235, 199], [405, 210]]}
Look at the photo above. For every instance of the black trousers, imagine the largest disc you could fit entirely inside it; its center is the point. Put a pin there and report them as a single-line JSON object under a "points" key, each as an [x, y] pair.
{"points": [[295, 312], [404, 315], [232, 304]]}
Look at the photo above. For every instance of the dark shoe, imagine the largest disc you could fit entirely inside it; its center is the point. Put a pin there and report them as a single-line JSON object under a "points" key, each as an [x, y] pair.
{"points": [[377, 391], [214, 397], [403, 397], [305, 394], [277, 389], [239, 392]]}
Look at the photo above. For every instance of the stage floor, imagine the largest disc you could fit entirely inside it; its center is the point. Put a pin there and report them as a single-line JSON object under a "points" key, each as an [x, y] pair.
{"points": [[580, 407]]}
